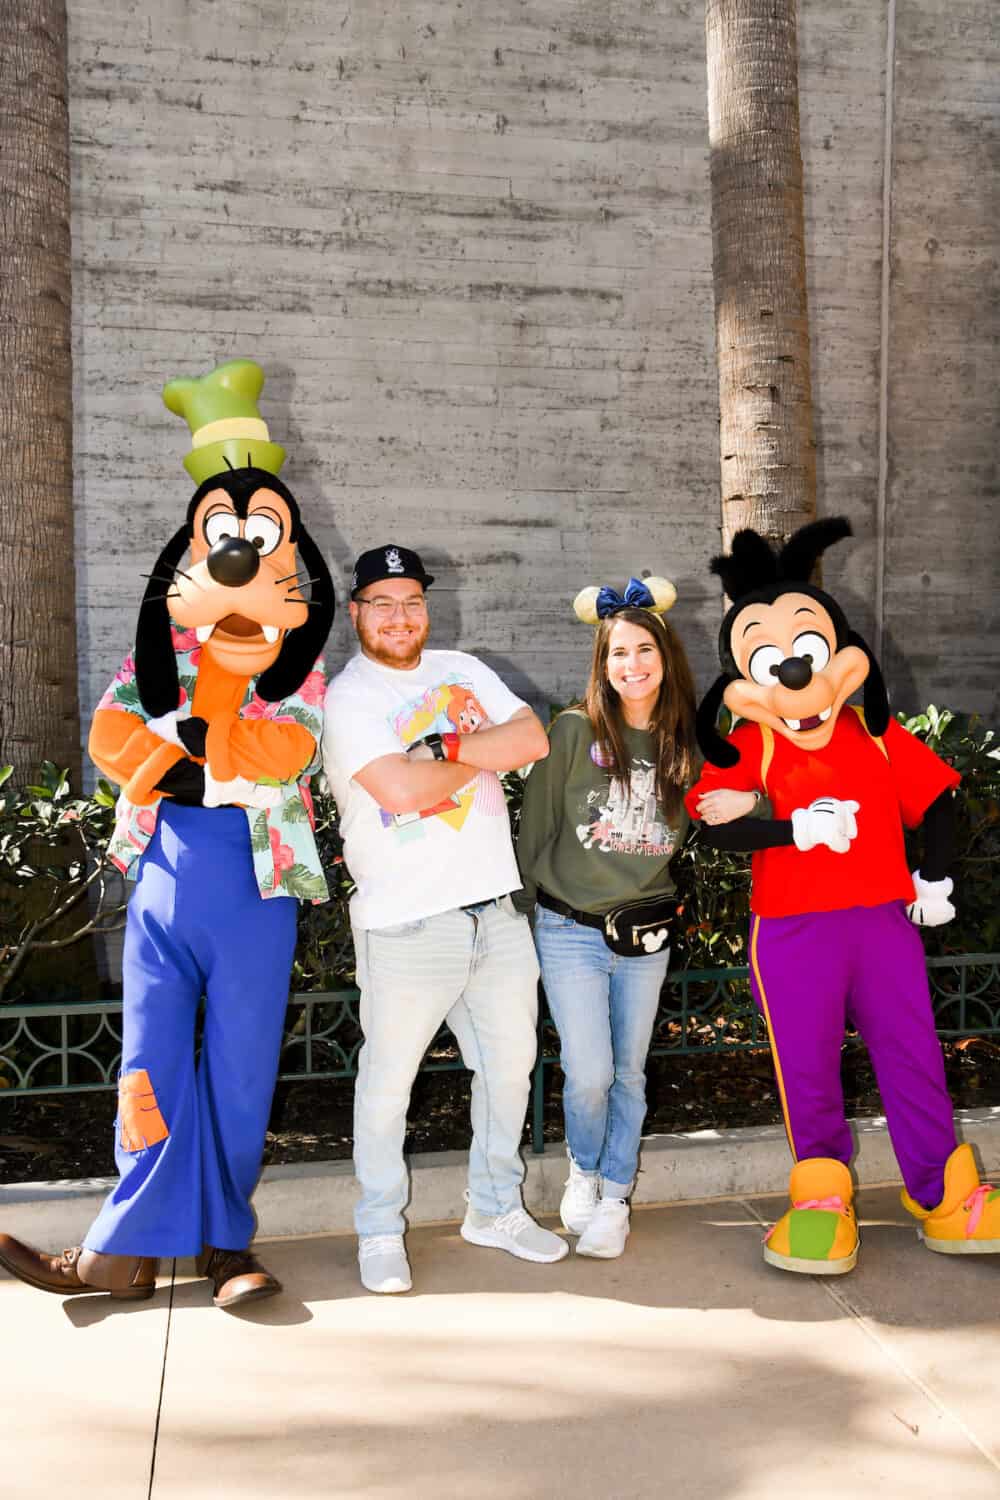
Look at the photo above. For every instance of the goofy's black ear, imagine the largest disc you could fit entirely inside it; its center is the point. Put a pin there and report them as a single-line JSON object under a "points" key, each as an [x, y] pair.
{"points": [[301, 647], [155, 662], [714, 748], [876, 699]]}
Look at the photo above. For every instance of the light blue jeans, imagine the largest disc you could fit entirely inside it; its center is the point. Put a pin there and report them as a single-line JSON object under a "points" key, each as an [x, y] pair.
{"points": [[476, 970], [604, 1007]]}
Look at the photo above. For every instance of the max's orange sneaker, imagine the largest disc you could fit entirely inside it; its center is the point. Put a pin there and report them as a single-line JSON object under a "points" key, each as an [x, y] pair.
{"points": [[818, 1236], [967, 1220]]}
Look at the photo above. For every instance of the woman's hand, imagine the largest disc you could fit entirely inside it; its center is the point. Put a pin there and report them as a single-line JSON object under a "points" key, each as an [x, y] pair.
{"points": [[724, 805]]}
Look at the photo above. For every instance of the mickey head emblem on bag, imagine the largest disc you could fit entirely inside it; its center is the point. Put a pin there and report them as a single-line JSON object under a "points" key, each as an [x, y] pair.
{"points": [[654, 941]]}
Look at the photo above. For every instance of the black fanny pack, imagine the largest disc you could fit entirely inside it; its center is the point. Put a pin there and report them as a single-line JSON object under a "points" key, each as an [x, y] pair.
{"points": [[632, 929]]}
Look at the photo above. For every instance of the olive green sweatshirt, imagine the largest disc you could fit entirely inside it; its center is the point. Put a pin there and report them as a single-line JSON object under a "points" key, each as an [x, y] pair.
{"points": [[582, 839]]}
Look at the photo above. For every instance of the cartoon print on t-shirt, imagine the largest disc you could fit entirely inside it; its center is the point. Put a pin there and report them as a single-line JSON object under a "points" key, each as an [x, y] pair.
{"points": [[620, 822], [465, 712], [449, 708]]}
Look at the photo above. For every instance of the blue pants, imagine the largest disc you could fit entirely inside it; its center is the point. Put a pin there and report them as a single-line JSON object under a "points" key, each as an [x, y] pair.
{"points": [[604, 1007], [189, 1139]]}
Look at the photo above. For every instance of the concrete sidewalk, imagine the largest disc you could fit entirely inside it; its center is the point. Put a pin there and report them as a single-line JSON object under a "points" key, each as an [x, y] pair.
{"points": [[686, 1368], [319, 1197]]}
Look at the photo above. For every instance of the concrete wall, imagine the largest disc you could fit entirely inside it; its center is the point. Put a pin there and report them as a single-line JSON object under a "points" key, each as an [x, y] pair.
{"points": [[471, 247]]}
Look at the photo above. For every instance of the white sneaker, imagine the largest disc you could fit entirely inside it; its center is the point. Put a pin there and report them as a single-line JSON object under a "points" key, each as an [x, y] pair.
{"points": [[605, 1235], [514, 1231], [580, 1198], [383, 1263]]}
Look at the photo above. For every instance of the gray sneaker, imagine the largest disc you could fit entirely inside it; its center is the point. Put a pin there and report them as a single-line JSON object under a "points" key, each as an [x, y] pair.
{"points": [[383, 1263], [516, 1232]]}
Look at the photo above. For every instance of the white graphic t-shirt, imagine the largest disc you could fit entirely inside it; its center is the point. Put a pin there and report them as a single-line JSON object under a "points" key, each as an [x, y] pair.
{"points": [[412, 865]]}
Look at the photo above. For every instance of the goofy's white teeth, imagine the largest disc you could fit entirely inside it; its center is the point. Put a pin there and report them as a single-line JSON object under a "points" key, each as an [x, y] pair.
{"points": [[826, 714], [271, 633], [203, 632]]}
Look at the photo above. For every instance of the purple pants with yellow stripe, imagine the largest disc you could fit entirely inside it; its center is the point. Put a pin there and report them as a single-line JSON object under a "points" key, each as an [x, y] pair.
{"points": [[815, 973]]}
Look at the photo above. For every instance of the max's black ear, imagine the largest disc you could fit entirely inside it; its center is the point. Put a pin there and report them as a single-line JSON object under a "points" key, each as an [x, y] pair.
{"points": [[751, 564], [806, 546], [876, 699], [302, 647], [155, 662], [713, 747]]}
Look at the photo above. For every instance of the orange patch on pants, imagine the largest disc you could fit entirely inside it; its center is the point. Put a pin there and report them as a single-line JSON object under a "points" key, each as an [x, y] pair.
{"points": [[140, 1123]]}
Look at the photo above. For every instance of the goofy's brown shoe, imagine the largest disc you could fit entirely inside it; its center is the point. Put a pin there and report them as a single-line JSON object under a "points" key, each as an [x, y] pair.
{"points": [[236, 1276], [129, 1277]]}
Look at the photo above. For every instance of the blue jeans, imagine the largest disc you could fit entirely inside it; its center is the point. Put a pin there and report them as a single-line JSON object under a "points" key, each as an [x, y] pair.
{"points": [[604, 1007], [476, 970]]}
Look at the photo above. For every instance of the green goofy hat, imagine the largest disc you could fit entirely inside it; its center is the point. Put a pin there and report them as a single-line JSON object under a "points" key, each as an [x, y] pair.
{"points": [[226, 427]]}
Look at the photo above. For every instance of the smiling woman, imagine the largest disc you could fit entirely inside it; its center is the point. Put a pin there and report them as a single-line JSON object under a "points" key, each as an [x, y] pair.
{"points": [[602, 818]]}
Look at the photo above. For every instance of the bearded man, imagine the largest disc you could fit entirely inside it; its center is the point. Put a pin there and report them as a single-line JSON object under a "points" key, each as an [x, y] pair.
{"points": [[427, 842]]}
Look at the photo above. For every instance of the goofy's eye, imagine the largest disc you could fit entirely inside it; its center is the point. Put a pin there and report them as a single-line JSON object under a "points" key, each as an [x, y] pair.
{"points": [[764, 663], [813, 648], [263, 531], [219, 524]]}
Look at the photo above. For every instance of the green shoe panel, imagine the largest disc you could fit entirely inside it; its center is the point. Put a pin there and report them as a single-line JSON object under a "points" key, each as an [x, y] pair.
{"points": [[811, 1232]]}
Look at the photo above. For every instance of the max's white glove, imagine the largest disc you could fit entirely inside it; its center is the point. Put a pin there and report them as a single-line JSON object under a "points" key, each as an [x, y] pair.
{"points": [[166, 726], [932, 907], [825, 821], [240, 789]]}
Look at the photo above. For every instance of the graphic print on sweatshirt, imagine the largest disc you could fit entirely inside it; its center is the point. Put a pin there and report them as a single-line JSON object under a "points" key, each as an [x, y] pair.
{"points": [[449, 708], [616, 821]]}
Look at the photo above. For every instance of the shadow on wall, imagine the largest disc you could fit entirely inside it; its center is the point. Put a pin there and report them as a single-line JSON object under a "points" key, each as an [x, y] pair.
{"points": [[304, 473]]}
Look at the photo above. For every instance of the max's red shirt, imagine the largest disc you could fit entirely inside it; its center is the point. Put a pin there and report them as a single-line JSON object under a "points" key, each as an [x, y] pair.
{"points": [[894, 787]]}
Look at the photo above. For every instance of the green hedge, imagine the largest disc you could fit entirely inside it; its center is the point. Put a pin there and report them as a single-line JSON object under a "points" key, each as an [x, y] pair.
{"points": [[57, 888]]}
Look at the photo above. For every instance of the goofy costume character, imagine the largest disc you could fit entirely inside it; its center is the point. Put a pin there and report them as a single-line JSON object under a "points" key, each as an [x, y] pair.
{"points": [[212, 730], [833, 902]]}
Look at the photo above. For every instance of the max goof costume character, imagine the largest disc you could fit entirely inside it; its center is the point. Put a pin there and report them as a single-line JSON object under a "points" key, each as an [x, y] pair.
{"points": [[212, 730], [833, 903]]}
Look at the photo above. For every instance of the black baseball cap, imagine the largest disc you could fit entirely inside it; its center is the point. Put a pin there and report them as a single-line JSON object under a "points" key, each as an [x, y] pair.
{"points": [[387, 562]]}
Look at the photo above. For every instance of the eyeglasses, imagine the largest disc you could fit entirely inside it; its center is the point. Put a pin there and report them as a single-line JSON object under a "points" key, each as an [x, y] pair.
{"points": [[385, 608]]}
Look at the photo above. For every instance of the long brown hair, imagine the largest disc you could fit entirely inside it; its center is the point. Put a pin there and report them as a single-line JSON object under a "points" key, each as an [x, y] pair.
{"points": [[671, 722]]}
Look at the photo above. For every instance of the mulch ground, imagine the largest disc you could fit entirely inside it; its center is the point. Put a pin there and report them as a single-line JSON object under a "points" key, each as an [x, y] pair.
{"points": [[70, 1136]]}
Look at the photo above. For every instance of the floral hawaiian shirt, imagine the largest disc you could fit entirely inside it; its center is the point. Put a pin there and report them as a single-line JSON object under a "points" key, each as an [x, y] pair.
{"points": [[285, 857]]}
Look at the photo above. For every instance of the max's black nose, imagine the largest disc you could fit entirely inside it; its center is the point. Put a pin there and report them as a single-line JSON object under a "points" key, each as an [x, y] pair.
{"points": [[794, 672], [233, 561]]}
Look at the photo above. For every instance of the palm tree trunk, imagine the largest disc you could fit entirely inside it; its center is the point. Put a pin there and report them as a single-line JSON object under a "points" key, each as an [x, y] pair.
{"points": [[768, 452], [39, 712]]}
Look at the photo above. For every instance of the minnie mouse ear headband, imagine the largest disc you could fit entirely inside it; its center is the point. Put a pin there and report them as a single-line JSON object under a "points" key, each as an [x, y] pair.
{"points": [[656, 595]]}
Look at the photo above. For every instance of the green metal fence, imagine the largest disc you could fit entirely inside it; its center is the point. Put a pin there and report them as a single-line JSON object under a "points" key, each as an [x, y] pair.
{"points": [[75, 1047]]}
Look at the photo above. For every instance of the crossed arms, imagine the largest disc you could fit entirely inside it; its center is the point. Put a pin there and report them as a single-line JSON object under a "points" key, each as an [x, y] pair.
{"points": [[408, 782]]}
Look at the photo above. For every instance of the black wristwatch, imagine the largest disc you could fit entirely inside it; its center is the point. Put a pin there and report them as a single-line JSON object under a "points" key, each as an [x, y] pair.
{"points": [[434, 743]]}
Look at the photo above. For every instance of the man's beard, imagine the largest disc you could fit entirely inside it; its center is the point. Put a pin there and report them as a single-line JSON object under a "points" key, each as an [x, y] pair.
{"points": [[401, 655]]}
